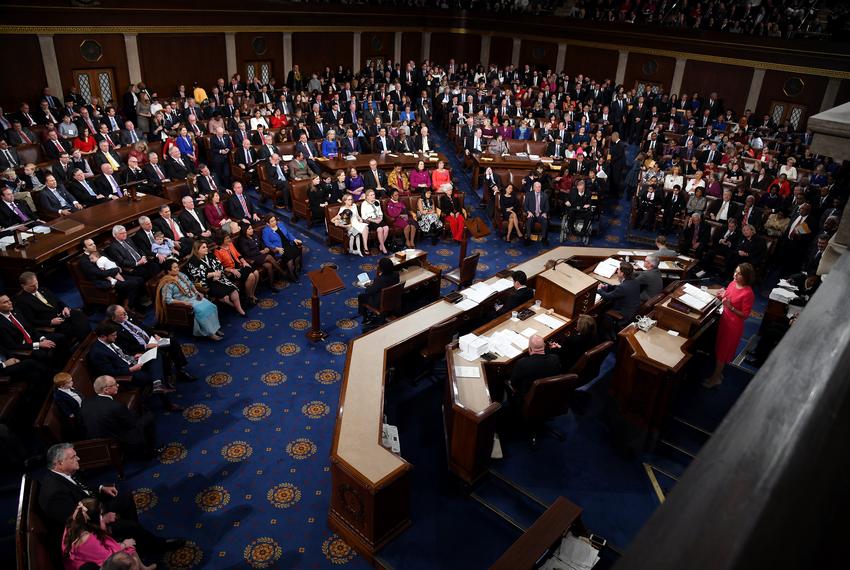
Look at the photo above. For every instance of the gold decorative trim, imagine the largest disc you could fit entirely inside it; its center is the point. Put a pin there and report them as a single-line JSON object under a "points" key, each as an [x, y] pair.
{"points": [[65, 30]]}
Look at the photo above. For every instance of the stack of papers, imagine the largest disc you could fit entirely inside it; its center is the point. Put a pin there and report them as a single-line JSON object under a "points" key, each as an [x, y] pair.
{"points": [[607, 268], [503, 345], [667, 266], [478, 292], [472, 346], [786, 285], [502, 284], [534, 156], [466, 305], [41, 230], [6, 241], [548, 321], [782, 295], [389, 438], [573, 554], [696, 298]]}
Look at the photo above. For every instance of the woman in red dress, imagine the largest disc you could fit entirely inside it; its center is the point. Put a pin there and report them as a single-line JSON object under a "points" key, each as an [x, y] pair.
{"points": [[738, 300]]}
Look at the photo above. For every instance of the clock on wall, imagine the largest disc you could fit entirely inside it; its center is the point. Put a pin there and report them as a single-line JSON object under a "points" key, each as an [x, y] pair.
{"points": [[91, 50], [793, 87], [258, 44]]}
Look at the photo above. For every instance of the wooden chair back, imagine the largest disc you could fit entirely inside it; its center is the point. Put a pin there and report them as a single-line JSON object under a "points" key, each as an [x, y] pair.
{"points": [[587, 367], [549, 397]]}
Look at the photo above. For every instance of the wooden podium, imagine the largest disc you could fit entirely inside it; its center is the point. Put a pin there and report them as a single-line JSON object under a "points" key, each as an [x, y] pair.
{"points": [[569, 291], [325, 281]]}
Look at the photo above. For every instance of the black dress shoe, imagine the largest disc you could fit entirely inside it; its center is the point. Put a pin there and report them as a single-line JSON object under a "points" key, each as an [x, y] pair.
{"points": [[173, 543], [185, 376]]}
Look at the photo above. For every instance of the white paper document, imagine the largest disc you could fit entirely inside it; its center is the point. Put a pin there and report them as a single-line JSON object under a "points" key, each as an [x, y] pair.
{"points": [[577, 553], [626, 253], [163, 342], [467, 372], [607, 268], [389, 438], [702, 297], [548, 321], [466, 304], [528, 332], [147, 356], [363, 279], [474, 294], [503, 284], [41, 230]]}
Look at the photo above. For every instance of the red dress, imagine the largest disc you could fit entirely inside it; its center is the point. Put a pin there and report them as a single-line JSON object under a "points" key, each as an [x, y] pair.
{"points": [[731, 326]]}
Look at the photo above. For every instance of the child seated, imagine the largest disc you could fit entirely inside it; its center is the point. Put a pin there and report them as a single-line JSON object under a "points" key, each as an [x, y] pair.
{"points": [[164, 247]]}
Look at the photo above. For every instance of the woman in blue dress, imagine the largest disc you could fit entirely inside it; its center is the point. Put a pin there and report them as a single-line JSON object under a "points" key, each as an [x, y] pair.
{"points": [[177, 289], [330, 147], [185, 144]]}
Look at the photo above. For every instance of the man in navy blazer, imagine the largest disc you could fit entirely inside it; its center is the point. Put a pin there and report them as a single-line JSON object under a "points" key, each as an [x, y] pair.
{"points": [[56, 200], [106, 358], [105, 417]]}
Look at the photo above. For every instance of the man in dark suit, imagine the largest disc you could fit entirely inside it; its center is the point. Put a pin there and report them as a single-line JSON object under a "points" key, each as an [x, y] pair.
{"points": [[130, 135], [176, 167], [106, 156], [155, 174], [14, 212], [17, 334], [649, 280], [534, 366], [61, 491], [19, 135], [711, 155], [267, 147], [695, 236], [350, 144], [63, 169], [673, 206], [56, 200], [220, 147], [171, 228], [375, 179], [246, 156], [383, 143], [112, 139], [134, 177], [624, 299], [106, 358], [53, 146], [537, 210], [25, 369], [8, 156], [107, 185], [105, 417], [192, 220], [41, 308], [276, 176], [520, 293], [725, 240], [387, 277], [129, 289], [579, 204], [135, 338], [239, 206], [618, 163], [126, 255], [724, 209], [208, 182], [144, 238], [474, 144], [310, 152]]}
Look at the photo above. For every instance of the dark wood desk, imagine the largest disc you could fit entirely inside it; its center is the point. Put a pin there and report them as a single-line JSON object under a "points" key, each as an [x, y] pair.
{"points": [[541, 536], [96, 221], [386, 161], [649, 368], [469, 411], [682, 319], [324, 281], [370, 485]]}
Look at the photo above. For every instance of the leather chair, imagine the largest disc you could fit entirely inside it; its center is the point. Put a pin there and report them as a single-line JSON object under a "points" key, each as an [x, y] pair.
{"points": [[390, 305], [36, 544], [90, 294], [516, 146], [587, 367], [463, 276], [548, 398], [301, 201], [439, 336]]}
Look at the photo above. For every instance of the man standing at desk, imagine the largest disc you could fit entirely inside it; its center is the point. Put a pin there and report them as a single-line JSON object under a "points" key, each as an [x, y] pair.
{"points": [[624, 299]]}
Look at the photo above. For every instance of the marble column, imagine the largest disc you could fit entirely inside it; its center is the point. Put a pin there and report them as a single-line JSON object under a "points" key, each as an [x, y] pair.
{"points": [[51, 65]]}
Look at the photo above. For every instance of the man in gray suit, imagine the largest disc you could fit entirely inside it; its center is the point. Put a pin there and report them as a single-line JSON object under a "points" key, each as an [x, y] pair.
{"points": [[130, 135], [650, 280]]}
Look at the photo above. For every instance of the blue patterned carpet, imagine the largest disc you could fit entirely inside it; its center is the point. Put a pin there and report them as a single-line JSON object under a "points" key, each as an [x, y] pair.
{"points": [[245, 476]]}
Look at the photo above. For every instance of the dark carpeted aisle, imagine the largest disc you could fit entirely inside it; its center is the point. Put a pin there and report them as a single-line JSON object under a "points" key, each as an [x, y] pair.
{"points": [[245, 475]]}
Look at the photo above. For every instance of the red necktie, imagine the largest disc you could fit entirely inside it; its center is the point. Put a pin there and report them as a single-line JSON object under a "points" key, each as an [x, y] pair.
{"points": [[158, 172], [173, 229], [25, 138], [20, 327], [59, 146]]}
